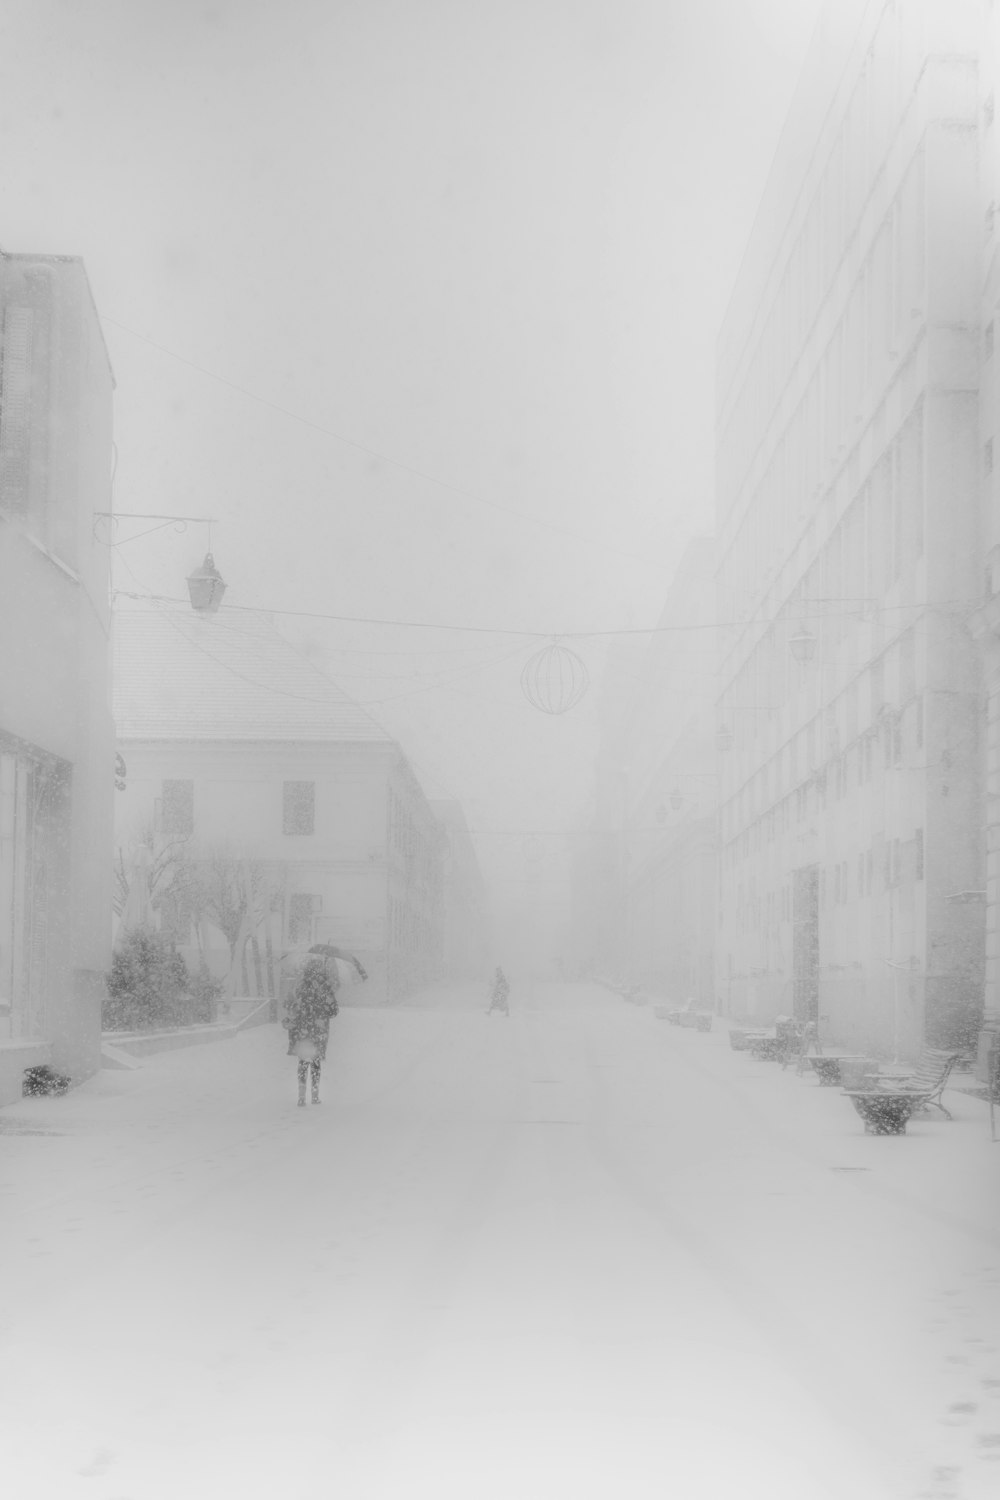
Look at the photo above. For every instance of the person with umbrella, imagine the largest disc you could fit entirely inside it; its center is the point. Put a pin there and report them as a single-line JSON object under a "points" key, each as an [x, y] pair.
{"points": [[311, 1005], [341, 961], [315, 979], [499, 993]]}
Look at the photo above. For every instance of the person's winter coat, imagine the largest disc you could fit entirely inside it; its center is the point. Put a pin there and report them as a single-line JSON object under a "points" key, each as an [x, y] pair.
{"points": [[311, 1005]]}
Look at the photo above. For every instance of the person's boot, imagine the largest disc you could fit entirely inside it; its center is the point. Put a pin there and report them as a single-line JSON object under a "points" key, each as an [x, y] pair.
{"points": [[302, 1087], [315, 1085]]}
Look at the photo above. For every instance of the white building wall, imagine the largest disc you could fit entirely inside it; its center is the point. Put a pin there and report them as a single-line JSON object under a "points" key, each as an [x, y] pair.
{"points": [[986, 619], [379, 901], [56, 736], [848, 484]]}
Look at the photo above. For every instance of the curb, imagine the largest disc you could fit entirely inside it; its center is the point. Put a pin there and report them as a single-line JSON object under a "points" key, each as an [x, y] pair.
{"points": [[143, 1043]]}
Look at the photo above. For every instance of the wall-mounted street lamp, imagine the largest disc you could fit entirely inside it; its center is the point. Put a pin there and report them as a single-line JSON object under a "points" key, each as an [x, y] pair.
{"points": [[678, 798], [206, 587], [724, 736], [179, 523], [803, 645]]}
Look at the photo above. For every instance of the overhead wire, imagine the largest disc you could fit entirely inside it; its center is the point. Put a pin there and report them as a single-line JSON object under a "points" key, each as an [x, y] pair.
{"points": [[443, 678], [798, 618], [427, 774]]}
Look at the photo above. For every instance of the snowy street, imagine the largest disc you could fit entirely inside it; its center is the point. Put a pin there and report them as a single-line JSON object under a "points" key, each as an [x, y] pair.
{"points": [[575, 1252]]}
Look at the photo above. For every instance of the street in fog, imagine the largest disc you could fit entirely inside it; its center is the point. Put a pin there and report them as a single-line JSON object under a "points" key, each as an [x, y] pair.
{"points": [[571, 1252], [499, 491]]}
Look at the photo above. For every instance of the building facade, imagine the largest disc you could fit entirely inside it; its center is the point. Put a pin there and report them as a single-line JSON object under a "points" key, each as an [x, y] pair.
{"points": [[985, 620], [849, 491], [56, 733], [240, 755]]}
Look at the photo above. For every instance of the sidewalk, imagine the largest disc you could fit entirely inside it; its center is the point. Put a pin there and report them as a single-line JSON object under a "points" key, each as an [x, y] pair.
{"points": [[610, 1255], [949, 1170]]}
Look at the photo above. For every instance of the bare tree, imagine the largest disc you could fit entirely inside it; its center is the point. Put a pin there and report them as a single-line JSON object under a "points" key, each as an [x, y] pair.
{"points": [[219, 884], [166, 858]]}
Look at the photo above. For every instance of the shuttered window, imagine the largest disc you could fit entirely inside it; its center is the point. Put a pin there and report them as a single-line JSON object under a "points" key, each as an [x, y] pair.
{"points": [[299, 810], [15, 408]]}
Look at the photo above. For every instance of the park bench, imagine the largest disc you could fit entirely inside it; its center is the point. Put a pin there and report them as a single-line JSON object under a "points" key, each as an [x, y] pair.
{"points": [[828, 1069], [889, 1102], [685, 1015], [928, 1078], [779, 1044]]}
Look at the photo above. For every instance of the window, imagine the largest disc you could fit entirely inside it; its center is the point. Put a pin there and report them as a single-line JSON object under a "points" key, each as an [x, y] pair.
{"points": [[34, 832], [299, 815], [15, 411], [177, 808], [876, 673], [301, 908], [907, 666]]}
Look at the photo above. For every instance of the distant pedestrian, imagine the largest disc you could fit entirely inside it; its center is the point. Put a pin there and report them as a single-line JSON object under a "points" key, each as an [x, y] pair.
{"points": [[311, 1006], [499, 993]]}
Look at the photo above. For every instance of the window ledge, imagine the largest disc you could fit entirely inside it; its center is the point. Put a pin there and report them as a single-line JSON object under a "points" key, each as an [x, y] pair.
{"points": [[24, 1044], [40, 546], [56, 562]]}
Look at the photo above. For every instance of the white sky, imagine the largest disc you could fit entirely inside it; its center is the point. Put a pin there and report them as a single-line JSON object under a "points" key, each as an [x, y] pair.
{"points": [[476, 252]]}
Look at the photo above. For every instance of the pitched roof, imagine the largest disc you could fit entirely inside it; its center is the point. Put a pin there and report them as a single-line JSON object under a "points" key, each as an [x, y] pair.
{"points": [[179, 675]]}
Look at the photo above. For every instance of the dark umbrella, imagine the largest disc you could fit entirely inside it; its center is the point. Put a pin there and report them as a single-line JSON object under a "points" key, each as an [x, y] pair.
{"points": [[327, 950]]}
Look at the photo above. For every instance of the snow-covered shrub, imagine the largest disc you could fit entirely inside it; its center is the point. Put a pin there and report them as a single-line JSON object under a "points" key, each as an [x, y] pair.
{"points": [[148, 986]]}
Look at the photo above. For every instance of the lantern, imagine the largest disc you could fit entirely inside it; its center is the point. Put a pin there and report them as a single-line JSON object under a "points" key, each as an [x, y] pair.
{"points": [[554, 679], [676, 799], [803, 645], [206, 587], [723, 738]]}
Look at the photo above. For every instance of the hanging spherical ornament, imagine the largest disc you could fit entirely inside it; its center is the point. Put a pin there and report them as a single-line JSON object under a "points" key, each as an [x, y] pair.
{"points": [[554, 679]]}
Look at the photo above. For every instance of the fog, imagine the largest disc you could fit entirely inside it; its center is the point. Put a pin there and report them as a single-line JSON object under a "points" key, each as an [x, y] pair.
{"points": [[468, 260], [509, 488]]}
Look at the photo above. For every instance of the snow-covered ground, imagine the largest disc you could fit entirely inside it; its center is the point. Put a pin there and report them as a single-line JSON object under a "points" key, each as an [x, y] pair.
{"points": [[574, 1253]]}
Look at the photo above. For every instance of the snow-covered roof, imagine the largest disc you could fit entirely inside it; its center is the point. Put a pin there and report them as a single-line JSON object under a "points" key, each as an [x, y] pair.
{"points": [[179, 675]]}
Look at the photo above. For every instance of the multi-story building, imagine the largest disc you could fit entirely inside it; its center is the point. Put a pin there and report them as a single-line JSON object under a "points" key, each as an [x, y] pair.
{"points": [[238, 751], [56, 734], [849, 480], [985, 621]]}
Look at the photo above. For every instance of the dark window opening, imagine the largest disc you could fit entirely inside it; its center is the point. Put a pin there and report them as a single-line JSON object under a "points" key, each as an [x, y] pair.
{"points": [[299, 815], [301, 909]]}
